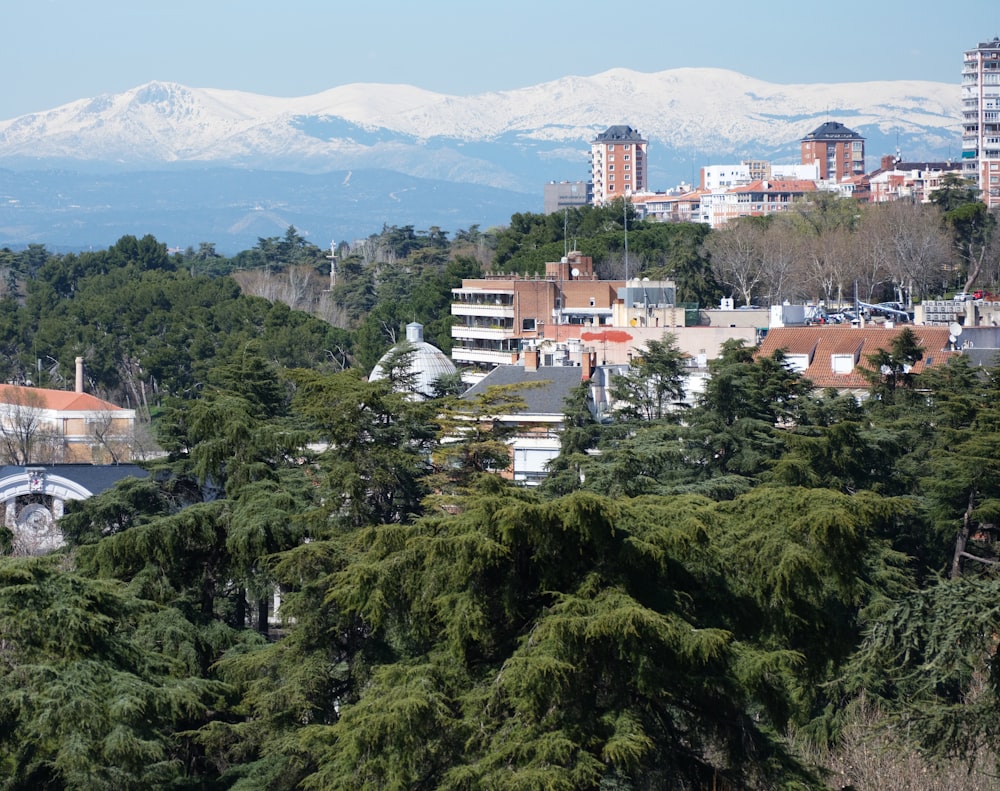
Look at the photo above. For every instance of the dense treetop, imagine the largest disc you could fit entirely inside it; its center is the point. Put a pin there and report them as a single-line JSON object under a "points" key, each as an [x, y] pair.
{"points": [[718, 596]]}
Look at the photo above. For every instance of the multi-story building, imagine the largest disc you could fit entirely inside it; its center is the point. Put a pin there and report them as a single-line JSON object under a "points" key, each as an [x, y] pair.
{"points": [[838, 151], [753, 200], [617, 164], [561, 195], [498, 314], [912, 181], [981, 119]]}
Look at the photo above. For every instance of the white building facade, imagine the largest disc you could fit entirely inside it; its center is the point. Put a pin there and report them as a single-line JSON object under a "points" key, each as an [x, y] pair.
{"points": [[981, 119]]}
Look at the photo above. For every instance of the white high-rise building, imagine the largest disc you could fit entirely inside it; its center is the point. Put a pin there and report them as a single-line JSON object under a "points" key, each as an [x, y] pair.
{"points": [[981, 119]]}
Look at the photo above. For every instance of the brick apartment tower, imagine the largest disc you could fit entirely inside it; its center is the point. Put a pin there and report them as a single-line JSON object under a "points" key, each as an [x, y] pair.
{"points": [[839, 151], [617, 164], [981, 119]]}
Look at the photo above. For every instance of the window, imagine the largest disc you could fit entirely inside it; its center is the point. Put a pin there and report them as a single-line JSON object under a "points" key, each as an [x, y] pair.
{"points": [[611, 167], [842, 363], [626, 146], [528, 325], [611, 147], [627, 157], [628, 167]]}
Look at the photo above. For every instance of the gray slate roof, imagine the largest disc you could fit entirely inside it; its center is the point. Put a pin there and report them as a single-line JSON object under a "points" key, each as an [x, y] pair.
{"points": [[547, 399], [95, 478], [619, 133], [832, 130]]}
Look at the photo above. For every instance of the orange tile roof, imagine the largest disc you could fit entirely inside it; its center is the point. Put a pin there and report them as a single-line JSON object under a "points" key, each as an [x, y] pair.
{"points": [[820, 343], [778, 185], [58, 400]]}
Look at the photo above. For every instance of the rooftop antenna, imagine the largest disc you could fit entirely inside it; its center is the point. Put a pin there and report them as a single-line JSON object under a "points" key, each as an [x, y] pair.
{"points": [[565, 232]]}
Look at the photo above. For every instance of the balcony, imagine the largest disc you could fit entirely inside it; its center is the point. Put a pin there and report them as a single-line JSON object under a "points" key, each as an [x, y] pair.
{"points": [[482, 333], [460, 354], [482, 309]]}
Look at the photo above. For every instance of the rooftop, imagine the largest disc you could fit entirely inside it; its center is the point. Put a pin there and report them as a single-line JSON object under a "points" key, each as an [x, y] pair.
{"points": [[832, 130], [819, 344], [57, 400]]}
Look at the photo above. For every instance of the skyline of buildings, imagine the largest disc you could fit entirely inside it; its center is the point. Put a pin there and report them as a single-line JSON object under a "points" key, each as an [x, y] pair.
{"points": [[833, 157]]}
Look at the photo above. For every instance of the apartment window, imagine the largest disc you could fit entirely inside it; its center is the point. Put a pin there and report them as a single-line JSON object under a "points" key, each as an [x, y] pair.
{"points": [[626, 146], [528, 325], [592, 302], [611, 167], [628, 167], [627, 157], [611, 147]]}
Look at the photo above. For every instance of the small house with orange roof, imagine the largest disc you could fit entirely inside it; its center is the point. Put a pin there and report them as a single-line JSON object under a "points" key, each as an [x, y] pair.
{"points": [[832, 355], [44, 426]]}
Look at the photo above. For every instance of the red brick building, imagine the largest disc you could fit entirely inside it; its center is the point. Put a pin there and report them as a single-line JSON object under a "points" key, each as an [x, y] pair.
{"points": [[839, 151]]}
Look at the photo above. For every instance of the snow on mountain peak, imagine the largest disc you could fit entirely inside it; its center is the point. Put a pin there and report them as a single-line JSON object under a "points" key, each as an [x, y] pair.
{"points": [[686, 109]]}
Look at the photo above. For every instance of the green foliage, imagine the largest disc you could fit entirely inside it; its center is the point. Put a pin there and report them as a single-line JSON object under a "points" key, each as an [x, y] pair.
{"points": [[87, 701], [929, 657], [654, 383]]}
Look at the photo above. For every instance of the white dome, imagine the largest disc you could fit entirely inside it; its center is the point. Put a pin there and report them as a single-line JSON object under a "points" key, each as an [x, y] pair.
{"points": [[427, 363]]}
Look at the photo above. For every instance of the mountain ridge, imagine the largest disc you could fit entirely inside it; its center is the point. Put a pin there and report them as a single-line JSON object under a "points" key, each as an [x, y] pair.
{"points": [[693, 109], [511, 142]]}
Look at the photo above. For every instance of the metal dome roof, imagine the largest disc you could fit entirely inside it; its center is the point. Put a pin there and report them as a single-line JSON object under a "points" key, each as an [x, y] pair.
{"points": [[427, 362]]}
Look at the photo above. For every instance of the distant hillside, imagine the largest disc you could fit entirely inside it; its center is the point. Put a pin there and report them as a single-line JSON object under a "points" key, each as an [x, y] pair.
{"points": [[233, 207]]}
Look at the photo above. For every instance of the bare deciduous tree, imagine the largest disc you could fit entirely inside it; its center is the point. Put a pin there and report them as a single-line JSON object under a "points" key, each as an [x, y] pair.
{"points": [[918, 247], [737, 255], [24, 436]]}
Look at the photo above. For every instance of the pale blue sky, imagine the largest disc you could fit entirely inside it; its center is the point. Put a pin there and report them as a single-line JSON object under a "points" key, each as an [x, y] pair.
{"points": [[55, 51]]}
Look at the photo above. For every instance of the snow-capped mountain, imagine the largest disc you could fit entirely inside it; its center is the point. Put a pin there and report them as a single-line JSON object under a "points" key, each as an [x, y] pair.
{"points": [[457, 160], [510, 139]]}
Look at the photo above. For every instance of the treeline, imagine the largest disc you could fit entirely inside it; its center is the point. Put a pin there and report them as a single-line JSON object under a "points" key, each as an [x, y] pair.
{"points": [[150, 324], [325, 585], [777, 588]]}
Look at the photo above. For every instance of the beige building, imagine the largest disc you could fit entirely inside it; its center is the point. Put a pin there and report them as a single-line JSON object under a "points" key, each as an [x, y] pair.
{"points": [[42, 426]]}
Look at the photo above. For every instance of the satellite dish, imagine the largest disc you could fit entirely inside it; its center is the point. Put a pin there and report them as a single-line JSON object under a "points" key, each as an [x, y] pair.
{"points": [[952, 339], [955, 328], [575, 272]]}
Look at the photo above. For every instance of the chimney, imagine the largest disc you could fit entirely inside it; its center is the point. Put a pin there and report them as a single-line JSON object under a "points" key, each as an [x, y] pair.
{"points": [[79, 374], [588, 361], [531, 359]]}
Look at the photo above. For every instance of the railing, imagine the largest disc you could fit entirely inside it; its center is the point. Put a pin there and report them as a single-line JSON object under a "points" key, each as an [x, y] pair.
{"points": [[483, 309], [460, 354], [482, 333]]}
